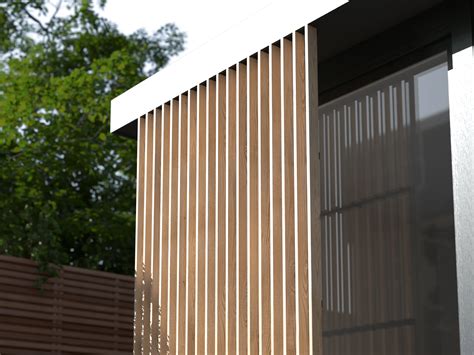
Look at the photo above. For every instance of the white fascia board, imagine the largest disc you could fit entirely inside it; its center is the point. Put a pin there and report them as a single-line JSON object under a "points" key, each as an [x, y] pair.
{"points": [[264, 27]]}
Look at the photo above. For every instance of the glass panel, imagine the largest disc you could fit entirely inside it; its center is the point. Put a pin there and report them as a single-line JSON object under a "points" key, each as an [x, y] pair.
{"points": [[432, 92], [389, 281]]}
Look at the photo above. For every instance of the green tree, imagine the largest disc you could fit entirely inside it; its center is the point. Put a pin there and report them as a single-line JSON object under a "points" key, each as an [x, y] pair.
{"points": [[67, 187]]}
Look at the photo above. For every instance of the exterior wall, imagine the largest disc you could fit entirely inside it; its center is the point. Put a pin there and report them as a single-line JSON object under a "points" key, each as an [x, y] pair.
{"points": [[225, 213], [461, 101]]}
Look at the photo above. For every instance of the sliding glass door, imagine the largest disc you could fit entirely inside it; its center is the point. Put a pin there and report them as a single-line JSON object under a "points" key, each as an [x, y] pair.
{"points": [[388, 258]]}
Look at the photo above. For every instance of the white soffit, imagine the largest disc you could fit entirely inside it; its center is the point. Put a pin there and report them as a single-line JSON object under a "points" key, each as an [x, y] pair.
{"points": [[264, 27]]}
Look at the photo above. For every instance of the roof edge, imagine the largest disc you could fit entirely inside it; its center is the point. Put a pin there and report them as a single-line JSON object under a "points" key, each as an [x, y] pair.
{"points": [[264, 27]]}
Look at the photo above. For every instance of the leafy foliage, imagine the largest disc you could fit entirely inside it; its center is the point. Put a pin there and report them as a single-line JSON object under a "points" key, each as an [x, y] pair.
{"points": [[67, 192]]}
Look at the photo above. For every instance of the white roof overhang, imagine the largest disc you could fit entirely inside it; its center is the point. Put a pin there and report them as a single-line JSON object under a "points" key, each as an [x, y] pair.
{"points": [[261, 29]]}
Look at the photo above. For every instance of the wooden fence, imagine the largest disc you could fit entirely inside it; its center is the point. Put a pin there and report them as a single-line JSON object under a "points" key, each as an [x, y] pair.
{"points": [[79, 312]]}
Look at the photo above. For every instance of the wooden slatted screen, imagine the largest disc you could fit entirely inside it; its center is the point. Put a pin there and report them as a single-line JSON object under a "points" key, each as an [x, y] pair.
{"points": [[79, 312], [227, 211]]}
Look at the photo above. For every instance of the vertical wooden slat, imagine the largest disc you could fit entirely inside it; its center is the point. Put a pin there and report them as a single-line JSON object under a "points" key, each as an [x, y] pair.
{"points": [[201, 223], [183, 217], [264, 116], [253, 203], [231, 271], [148, 224], [289, 206], [163, 236], [173, 239], [165, 228], [137, 346], [211, 218], [155, 302], [242, 208], [302, 192], [191, 226], [221, 241], [276, 203]]}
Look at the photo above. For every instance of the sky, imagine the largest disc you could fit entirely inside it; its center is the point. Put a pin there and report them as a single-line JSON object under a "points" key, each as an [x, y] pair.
{"points": [[201, 20]]}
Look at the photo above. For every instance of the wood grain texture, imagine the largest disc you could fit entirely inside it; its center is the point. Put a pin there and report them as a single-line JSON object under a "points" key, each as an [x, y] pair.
{"points": [[201, 232], [192, 213], [221, 240], [276, 205], [165, 228], [148, 225], [289, 178], [137, 346], [228, 227], [183, 217], [242, 209], [156, 242], [302, 191], [211, 215], [173, 239], [232, 217], [253, 203], [265, 161]]}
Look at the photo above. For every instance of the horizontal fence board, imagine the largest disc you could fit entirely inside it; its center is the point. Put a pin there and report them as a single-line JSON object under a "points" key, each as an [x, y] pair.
{"points": [[22, 330], [22, 283], [128, 311], [78, 312], [34, 299]]}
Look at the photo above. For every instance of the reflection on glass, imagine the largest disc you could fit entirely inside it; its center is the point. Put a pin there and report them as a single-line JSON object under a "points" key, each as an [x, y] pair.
{"points": [[389, 281], [431, 92]]}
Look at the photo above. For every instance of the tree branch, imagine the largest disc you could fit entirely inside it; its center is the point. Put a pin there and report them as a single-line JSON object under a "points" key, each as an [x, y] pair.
{"points": [[35, 20], [58, 6]]}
